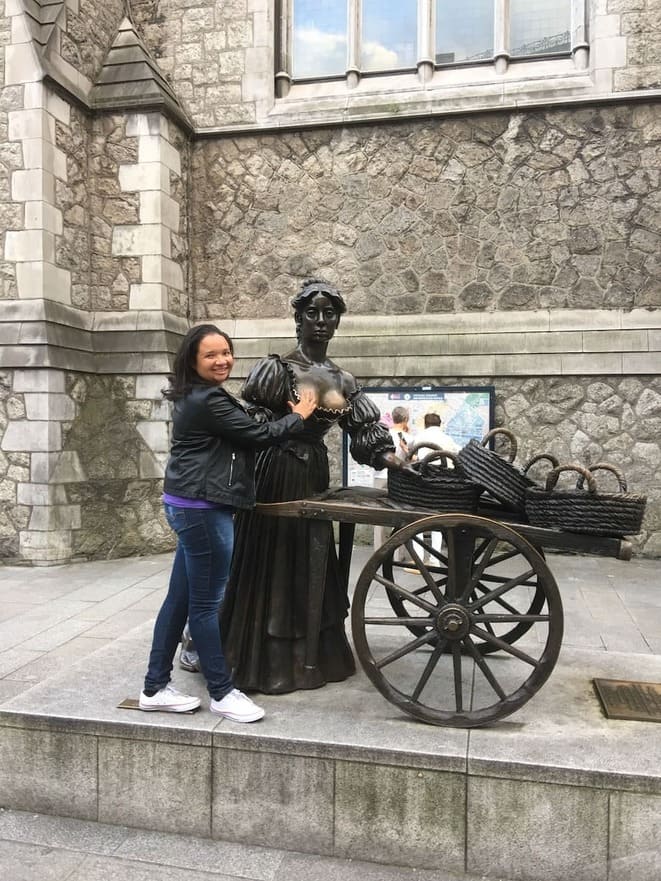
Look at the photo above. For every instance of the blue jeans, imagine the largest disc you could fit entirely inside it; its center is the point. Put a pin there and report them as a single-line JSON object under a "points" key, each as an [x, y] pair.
{"points": [[197, 585]]}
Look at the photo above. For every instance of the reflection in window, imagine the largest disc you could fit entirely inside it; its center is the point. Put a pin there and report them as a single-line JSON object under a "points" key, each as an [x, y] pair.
{"points": [[389, 34], [539, 27], [320, 38], [464, 30]]}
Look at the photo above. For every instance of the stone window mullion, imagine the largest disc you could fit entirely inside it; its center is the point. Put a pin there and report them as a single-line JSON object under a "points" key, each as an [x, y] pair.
{"points": [[284, 22], [426, 39], [501, 35], [579, 34], [354, 40]]}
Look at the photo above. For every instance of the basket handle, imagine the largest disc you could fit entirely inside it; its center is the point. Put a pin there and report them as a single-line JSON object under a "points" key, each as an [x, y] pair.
{"points": [[508, 434], [439, 454], [414, 449], [552, 476], [606, 466], [540, 457]]}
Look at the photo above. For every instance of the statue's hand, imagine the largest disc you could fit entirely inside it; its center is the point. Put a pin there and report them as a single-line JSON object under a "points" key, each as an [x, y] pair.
{"points": [[306, 405], [390, 459]]}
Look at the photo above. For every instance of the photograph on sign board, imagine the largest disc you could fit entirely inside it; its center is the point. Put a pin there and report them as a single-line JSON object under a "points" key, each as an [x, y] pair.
{"points": [[465, 412]]}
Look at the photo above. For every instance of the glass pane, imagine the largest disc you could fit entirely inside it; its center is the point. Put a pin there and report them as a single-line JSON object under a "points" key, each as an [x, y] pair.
{"points": [[539, 27], [320, 38], [389, 34], [464, 30]]}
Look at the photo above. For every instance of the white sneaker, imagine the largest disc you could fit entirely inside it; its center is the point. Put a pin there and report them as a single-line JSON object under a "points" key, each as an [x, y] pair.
{"points": [[169, 700], [237, 706]]}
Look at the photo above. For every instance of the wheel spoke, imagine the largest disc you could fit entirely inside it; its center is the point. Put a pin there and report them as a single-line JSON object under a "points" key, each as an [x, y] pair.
{"points": [[426, 574], [406, 649], [429, 668], [505, 646], [493, 594], [406, 594], [456, 664], [479, 570], [499, 601], [403, 622], [506, 619], [484, 667]]}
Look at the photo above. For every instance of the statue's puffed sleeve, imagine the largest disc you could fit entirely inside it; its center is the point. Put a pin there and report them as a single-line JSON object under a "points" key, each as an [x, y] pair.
{"points": [[369, 439], [268, 386]]}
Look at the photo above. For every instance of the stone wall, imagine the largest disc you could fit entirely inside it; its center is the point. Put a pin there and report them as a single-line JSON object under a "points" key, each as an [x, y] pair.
{"points": [[80, 466], [218, 55], [555, 209], [641, 24], [91, 26]]}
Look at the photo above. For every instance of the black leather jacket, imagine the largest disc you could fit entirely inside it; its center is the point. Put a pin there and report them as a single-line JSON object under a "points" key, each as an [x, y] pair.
{"points": [[213, 442]]}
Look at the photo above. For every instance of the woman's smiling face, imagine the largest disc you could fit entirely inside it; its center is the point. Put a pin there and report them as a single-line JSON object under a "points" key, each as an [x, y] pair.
{"points": [[214, 359]]}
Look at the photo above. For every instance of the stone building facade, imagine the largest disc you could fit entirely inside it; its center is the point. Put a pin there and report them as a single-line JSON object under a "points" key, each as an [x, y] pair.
{"points": [[161, 165]]}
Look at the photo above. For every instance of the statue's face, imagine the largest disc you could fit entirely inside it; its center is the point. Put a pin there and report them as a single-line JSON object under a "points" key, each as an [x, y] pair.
{"points": [[318, 319]]}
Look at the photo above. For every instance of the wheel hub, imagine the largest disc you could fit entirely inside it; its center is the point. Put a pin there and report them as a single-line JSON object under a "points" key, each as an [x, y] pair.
{"points": [[453, 622]]}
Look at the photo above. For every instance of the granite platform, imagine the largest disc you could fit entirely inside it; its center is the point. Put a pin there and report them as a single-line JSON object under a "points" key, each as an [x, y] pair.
{"points": [[554, 791]]}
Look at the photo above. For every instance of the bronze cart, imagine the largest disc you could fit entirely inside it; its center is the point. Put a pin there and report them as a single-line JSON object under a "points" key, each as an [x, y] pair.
{"points": [[456, 618]]}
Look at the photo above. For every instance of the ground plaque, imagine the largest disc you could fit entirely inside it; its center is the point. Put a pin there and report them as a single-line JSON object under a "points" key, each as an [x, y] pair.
{"points": [[626, 699]]}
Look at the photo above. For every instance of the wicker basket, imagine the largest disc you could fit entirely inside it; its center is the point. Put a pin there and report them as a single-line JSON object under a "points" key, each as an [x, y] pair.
{"points": [[431, 483], [503, 480], [586, 510]]}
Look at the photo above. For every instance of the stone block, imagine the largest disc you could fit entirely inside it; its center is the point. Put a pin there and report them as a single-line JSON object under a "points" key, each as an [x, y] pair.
{"points": [[140, 784], [48, 772], [67, 468], [399, 815], [144, 176], [40, 494], [25, 246], [641, 362], [139, 124], [527, 831], [38, 380], [41, 215], [155, 435], [272, 800], [615, 340], [43, 280], [136, 240], [37, 95], [161, 270], [150, 467], [605, 363], [29, 436], [149, 387], [635, 827], [50, 406], [31, 124], [148, 296], [38, 153], [22, 64], [608, 52], [156, 207], [58, 517], [154, 148], [20, 32]]}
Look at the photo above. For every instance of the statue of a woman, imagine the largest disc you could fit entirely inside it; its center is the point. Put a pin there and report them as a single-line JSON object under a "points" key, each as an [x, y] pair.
{"points": [[265, 611]]}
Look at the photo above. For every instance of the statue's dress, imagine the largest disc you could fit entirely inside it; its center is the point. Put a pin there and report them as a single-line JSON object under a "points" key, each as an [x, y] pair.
{"points": [[265, 609]]}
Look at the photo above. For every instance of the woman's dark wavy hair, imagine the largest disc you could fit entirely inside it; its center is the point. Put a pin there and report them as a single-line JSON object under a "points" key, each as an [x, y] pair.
{"points": [[184, 375], [311, 287]]}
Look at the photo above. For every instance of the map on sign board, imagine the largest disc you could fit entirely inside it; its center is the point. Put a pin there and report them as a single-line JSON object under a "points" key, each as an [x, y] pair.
{"points": [[466, 412]]}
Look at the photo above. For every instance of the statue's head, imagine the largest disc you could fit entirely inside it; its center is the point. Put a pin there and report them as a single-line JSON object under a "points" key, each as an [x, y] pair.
{"points": [[316, 290]]}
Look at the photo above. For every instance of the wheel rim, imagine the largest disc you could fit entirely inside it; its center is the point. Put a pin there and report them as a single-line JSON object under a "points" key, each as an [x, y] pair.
{"points": [[439, 568], [425, 651]]}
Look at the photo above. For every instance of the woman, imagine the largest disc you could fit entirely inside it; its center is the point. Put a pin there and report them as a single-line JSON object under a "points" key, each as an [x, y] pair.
{"points": [[264, 617], [209, 474]]}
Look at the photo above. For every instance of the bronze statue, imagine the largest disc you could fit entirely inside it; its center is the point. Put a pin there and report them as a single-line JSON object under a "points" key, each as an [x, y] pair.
{"points": [[265, 610]]}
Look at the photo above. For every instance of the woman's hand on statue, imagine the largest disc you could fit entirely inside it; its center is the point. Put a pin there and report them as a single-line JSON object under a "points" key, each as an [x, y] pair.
{"points": [[306, 405]]}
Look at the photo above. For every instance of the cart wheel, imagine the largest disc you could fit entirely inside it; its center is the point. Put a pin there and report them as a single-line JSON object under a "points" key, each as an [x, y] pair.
{"points": [[437, 563], [441, 675]]}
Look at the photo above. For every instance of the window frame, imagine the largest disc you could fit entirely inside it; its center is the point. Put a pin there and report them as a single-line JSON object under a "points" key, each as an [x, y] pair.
{"points": [[426, 65]]}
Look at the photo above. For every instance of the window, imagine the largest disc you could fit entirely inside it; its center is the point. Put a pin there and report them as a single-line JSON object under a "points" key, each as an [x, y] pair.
{"points": [[350, 39]]}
